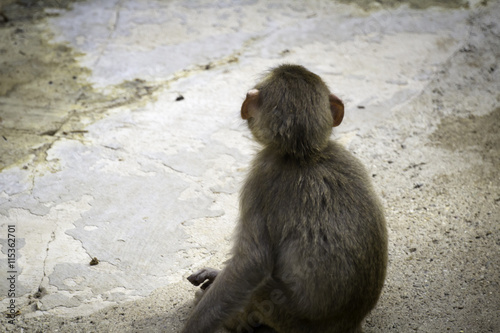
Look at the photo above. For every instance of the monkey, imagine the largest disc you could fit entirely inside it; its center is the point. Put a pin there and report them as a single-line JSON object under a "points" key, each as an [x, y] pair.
{"points": [[310, 245]]}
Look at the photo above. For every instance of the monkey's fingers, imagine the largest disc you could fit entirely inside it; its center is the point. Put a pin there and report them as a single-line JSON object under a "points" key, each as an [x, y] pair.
{"points": [[194, 279], [203, 274], [206, 285]]}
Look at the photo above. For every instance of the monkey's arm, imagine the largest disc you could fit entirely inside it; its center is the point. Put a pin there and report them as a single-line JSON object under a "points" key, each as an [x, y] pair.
{"points": [[232, 289]]}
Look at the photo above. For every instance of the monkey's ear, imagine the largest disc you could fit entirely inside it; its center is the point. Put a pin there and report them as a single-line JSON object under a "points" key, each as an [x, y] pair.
{"points": [[337, 109], [250, 106]]}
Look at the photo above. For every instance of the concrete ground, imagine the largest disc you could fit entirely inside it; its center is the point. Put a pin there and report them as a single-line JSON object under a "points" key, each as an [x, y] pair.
{"points": [[121, 141]]}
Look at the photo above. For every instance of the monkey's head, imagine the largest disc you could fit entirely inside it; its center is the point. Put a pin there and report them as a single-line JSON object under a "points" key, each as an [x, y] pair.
{"points": [[292, 110]]}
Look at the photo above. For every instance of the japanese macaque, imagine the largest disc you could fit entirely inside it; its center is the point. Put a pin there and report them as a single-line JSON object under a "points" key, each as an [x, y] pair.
{"points": [[310, 250]]}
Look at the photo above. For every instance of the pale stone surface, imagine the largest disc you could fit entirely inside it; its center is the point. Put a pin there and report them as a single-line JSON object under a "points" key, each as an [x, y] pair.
{"points": [[149, 185]]}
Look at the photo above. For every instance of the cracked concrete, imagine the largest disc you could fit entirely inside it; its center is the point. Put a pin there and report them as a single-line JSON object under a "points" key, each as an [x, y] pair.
{"points": [[121, 140]]}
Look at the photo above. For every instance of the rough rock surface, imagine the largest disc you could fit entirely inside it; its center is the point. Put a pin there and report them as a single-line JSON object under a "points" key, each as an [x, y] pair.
{"points": [[121, 140]]}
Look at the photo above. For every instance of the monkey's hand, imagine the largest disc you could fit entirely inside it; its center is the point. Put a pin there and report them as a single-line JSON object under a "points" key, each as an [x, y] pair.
{"points": [[205, 276]]}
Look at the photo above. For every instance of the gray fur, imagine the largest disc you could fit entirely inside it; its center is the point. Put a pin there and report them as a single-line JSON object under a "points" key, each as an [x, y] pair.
{"points": [[310, 252]]}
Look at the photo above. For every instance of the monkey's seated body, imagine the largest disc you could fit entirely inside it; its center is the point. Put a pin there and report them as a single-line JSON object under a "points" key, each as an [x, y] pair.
{"points": [[310, 249]]}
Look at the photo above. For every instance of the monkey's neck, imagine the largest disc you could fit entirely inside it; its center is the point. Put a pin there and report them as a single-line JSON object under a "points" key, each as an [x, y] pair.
{"points": [[297, 158]]}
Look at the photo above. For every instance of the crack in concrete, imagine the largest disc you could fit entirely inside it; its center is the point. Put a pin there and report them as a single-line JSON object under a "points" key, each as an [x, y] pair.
{"points": [[52, 238], [74, 116], [113, 24], [220, 62], [78, 240], [33, 176], [169, 167]]}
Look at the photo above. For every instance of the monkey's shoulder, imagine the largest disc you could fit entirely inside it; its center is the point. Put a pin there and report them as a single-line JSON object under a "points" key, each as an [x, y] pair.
{"points": [[333, 160], [334, 169]]}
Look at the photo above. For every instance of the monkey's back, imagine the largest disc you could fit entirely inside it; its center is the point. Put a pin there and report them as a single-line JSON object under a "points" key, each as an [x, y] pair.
{"points": [[327, 227]]}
